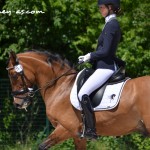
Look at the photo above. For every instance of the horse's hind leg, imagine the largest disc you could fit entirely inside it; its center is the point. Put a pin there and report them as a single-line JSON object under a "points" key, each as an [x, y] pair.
{"points": [[142, 128], [60, 134], [145, 113], [146, 120]]}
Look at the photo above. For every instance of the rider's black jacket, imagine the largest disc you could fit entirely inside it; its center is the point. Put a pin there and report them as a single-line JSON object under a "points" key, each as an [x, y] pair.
{"points": [[108, 40]]}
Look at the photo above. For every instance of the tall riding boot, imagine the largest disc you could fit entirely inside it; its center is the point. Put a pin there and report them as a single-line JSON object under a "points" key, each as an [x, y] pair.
{"points": [[90, 131]]}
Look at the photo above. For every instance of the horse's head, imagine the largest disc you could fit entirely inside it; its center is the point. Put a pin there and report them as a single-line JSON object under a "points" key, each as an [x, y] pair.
{"points": [[22, 90], [33, 67]]}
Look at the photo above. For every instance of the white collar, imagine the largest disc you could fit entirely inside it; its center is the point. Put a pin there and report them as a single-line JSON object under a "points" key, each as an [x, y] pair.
{"points": [[108, 18]]}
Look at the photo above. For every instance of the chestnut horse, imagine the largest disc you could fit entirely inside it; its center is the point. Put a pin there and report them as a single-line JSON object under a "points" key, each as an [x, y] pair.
{"points": [[54, 78]]}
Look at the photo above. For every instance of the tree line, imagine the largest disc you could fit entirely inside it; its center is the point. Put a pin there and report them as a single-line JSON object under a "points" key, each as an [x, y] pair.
{"points": [[71, 28]]}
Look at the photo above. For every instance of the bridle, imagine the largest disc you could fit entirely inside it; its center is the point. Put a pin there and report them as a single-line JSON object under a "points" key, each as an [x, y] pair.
{"points": [[29, 92], [19, 72]]}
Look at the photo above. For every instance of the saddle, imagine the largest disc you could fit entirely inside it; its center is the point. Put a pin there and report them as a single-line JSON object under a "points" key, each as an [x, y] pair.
{"points": [[96, 96]]}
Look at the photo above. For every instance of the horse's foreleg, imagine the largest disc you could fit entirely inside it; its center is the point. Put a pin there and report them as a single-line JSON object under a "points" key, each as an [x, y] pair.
{"points": [[58, 135]]}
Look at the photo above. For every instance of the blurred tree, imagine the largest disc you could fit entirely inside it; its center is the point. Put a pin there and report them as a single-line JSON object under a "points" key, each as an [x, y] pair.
{"points": [[135, 46]]}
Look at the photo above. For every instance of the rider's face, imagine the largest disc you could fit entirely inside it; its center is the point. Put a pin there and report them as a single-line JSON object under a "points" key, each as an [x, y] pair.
{"points": [[103, 10]]}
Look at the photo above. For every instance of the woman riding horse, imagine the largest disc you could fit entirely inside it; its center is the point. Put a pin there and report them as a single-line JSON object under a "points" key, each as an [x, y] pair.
{"points": [[103, 58], [55, 79]]}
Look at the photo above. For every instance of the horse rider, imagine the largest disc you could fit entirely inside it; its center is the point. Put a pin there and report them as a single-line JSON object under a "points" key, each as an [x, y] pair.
{"points": [[103, 60]]}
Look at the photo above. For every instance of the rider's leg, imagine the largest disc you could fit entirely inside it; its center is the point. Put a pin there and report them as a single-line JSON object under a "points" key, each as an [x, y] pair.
{"points": [[89, 118], [99, 77]]}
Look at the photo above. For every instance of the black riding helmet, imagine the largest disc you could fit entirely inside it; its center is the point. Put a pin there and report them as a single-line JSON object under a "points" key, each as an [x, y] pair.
{"points": [[114, 3]]}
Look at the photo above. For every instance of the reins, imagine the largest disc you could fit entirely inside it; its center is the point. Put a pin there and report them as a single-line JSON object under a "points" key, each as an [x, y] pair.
{"points": [[52, 82], [29, 91]]}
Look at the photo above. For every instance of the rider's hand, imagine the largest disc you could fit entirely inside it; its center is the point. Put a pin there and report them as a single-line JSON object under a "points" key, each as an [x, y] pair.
{"points": [[84, 58]]}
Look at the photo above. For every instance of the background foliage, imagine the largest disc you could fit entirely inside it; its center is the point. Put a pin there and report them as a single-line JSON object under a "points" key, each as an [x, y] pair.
{"points": [[71, 28]]}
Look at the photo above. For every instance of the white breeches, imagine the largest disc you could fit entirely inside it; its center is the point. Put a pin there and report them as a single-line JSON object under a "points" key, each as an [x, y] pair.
{"points": [[99, 77]]}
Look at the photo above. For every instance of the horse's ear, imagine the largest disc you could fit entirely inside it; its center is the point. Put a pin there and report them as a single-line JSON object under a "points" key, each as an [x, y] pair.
{"points": [[13, 58]]}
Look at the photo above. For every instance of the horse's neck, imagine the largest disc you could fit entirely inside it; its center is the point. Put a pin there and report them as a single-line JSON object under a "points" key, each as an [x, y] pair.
{"points": [[60, 91], [45, 74], [52, 87]]}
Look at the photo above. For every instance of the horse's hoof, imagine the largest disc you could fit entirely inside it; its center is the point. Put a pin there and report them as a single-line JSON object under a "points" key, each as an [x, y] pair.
{"points": [[42, 147]]}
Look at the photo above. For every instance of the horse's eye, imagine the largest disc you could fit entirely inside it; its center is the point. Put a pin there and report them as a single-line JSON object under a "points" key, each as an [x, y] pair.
{"points": [[14, 76]]}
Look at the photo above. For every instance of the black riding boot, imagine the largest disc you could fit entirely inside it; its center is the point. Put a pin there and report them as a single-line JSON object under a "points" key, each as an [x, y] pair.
{"points": [[90, 131]]}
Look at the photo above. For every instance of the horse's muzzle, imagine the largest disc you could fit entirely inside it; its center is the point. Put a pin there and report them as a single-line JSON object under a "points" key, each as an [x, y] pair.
{"points": [[22, 103]]}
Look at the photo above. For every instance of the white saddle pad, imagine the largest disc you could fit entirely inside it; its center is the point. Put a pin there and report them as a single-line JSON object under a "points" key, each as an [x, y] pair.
{"points": [[110, 98]]}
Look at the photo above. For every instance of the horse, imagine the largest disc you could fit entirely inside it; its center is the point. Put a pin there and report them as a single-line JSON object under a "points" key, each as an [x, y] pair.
{"points": [[54, 78]]}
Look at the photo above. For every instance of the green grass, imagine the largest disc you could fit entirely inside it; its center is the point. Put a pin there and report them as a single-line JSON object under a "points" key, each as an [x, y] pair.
{"points": [[131, 142], [68, 145]]}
